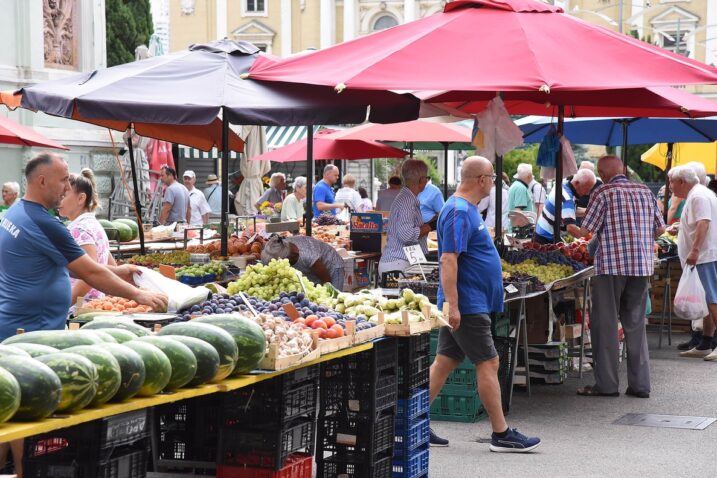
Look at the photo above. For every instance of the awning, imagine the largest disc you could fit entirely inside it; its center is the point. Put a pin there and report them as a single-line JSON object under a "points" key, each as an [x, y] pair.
{"points": [[278, 136], [186, 152]]}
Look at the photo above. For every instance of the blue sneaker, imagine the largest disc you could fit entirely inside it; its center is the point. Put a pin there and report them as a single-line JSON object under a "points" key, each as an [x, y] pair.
{"points": [[513, 442], [435, 440]]}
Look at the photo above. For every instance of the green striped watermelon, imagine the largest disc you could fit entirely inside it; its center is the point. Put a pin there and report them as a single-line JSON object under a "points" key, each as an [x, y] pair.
{"points": [[60, 339], [9, 395], [206, 355], [248, 335], [184, 364], [116, 323], [40, 388], [120, 335], [108, 371], [220, 339], [104, 336], [131, 224], [35, 350], [12, 351], [133, 372], [78, 376], [156, 364]]}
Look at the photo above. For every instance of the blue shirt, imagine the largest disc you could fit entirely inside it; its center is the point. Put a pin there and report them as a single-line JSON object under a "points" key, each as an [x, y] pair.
{"points": [[323, 193], [544, 227], [480, 277], [431, 200], [35, 291], [214, 197]]}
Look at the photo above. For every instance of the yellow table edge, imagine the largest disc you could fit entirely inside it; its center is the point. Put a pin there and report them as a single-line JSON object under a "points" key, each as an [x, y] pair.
{"points": [[15, 430]]}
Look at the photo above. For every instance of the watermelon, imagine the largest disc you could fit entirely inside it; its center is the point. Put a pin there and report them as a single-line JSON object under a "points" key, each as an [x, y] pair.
{"points": [[117, 323], [120, 335], [133, 372], [248, 335], [220, 339], [206, 355], [132, 225], [184, 364], [90, 316], [125, 232], [105, 223], [9, 395], [40, 388], [35, 350], [108, 371], [60, 339], [12, 351], [156, 365], [78, 376], [105, 337]]}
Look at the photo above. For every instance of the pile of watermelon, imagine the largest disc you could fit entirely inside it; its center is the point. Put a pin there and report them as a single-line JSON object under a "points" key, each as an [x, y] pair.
{"points": [[123, 230], [113, 359]]}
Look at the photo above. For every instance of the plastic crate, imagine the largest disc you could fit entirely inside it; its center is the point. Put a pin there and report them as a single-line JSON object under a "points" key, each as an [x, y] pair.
{"points": [[464, 378], [273, 401], [340, 395], [409, 348], [351, 466], [410, 434], [298, 465], [265, 446], [358, 435], [368, 365], [456, 408], [123, 462], [414, 466], [413, 375], [188, 430], [417, 405]]}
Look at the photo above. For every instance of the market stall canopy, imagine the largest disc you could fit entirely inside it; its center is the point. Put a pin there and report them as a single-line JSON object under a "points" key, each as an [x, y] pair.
{"points": [[409, 132], [705, 153], [12, 132], [326, 148]]}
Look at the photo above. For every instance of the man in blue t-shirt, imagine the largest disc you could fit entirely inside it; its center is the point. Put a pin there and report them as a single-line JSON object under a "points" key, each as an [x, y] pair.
{"points": [[431, 202], [472, 285], [323, 197], [36, 251]]}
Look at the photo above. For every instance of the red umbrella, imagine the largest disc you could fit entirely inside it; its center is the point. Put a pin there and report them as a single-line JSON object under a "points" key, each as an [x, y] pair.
{"points": [[327, 149], [15, 133]]}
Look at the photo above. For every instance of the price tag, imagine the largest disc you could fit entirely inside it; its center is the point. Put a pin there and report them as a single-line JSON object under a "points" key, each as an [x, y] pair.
{"points": [[414, 254], [251, 239], [511, 289]]}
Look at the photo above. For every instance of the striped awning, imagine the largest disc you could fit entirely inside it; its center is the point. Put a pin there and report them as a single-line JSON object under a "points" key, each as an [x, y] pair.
{"points": [[193, 153], [278, 136]]}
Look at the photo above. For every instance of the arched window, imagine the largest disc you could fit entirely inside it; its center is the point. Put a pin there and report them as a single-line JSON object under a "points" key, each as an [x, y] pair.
{"points": [[384, 21]]}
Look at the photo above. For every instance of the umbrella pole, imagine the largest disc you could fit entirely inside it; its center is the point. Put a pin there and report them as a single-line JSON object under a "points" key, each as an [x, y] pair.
{"points": [[668, 166], [310, 177], [623, 153], [411, 149], [498, 229], [558, 188], [445, 170], [225, 181], [137, 202]]}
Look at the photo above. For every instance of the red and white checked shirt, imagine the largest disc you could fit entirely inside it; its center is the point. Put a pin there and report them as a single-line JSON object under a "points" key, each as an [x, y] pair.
{"points": [[625, 218]]}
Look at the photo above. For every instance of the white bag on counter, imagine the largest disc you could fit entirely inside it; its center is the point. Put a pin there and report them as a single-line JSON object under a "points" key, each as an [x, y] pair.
{"points": [[180, 295]]}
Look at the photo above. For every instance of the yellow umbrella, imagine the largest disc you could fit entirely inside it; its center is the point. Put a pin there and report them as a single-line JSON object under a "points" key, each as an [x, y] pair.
{"points": [[705, 153]]}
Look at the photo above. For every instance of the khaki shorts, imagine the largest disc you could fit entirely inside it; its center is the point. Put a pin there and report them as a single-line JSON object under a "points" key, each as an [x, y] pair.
{"points": [[472, 339]]}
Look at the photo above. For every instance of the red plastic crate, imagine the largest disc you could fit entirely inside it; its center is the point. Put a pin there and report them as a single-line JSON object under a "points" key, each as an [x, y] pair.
{"points": [[298, 465]]}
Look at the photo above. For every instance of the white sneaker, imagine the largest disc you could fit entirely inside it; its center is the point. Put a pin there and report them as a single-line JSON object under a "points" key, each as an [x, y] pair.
{"points": [[712, 357], [696, 353]]}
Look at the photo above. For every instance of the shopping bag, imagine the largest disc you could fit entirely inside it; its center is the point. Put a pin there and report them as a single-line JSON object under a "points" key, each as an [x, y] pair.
{"points": [[180, 295], [690, 300]]}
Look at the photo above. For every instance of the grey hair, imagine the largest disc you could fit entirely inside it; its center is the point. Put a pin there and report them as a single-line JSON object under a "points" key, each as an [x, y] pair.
{"points": [[12, 185], [413, 170], [299, 182], [349, 180], [585, 175], [523, 170], [329, 167], [686, 173], [699, 170], [274, 180]]}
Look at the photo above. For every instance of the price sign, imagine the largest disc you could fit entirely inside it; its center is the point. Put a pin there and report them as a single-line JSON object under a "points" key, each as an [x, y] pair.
{"points": [[251, 239], [414, 254], [511, 289]]}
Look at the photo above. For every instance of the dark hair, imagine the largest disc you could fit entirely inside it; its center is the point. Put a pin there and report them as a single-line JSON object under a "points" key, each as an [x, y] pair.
{"points": [[713, 185], [363, 193], [85, 183], [41, 159], [395, 180], [170, 171]]}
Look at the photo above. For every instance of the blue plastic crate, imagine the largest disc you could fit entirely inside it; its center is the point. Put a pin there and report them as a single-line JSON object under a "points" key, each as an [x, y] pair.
{"points": [[417, 405], [408, 438], [414, 466]]}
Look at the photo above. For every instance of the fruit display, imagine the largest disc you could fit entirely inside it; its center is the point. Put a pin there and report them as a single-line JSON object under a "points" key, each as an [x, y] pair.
{"points": [[59, 339], [290, 337], [157, 367], [109, 373], [12, 351], [576, 250], [40, 388], [35, 350], [236, 246], [547, 267], [206, 356], [518, 278], [266, 282], [201, 273], [182, 360], [116, 323], [327, 219], [78, 377], [175, 258], [9, 395], [248, 335], [132, 371], [411, 302], [116, 304], [127, 229]]}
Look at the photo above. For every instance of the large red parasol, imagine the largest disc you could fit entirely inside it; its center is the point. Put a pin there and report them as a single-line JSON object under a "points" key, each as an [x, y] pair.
{"points": [[15, 133]]}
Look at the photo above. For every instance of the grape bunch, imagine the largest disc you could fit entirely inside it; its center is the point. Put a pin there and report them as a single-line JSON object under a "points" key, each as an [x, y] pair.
{"points": [[542, 258], [546, 274], [327, 219], [515, 278]]}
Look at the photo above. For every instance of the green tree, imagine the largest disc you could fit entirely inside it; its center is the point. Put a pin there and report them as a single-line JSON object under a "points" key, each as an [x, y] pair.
{"points": [[129, 24], [524, 154], [647, 172]]}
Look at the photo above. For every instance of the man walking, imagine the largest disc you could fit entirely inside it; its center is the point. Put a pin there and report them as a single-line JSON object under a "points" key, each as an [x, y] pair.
{"points": [[625, 219], [472, 284]]}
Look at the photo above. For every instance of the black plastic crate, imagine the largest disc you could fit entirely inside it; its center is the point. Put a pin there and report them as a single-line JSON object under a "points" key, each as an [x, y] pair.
{"points": [[351, 466], [95, 439], [409, 348], [344, 394], [123, 462], [357, 434], [272, 401], [187, 430], [243, 445], [413, 375], [368, 365]]}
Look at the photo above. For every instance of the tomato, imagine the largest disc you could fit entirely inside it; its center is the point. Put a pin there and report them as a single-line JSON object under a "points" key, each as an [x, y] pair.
{"points": [[339, 330], [319, 324], [310, 320], [329, 321]]}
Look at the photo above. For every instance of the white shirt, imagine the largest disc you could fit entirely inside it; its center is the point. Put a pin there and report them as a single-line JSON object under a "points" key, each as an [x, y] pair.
{"points": [[537, 191], [488, 203], [351, 198], [700, 204], [199, 206]]}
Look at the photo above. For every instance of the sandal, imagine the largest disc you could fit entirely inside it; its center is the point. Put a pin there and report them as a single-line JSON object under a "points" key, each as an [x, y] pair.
{"points": [[591, 391]]}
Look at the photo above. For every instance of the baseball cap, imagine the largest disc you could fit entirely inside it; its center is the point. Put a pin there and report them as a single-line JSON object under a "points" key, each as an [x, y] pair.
{"points": [[189, 174]]}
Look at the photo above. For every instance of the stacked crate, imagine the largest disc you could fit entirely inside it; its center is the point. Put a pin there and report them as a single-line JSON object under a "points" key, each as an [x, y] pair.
{"points": [[410, 448], [356, 417], [549, 363]]}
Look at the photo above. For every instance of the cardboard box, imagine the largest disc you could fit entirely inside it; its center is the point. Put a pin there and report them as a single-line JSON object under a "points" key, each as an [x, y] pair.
{"points": [[570, 331], [368, 241]]}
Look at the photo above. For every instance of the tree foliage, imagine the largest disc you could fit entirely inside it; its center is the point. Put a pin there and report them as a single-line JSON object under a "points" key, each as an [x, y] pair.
{"points": [[129, 24]]}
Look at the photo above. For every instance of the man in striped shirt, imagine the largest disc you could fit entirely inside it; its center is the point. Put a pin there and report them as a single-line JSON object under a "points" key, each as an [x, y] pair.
{"points": [[573, 188], [405, 222]]}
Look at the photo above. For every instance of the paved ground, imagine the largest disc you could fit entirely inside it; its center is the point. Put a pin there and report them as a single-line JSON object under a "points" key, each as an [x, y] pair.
{"points": [[579, 438]]}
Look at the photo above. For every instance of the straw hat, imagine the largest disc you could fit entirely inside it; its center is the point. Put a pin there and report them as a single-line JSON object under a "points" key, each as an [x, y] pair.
{"points": [[212, 179]]}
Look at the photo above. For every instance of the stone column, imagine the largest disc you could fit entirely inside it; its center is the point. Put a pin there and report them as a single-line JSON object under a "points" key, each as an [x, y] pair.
{"points": [[349, 19], [326, 23], [409, 10], [286, 32], [221, 19]]}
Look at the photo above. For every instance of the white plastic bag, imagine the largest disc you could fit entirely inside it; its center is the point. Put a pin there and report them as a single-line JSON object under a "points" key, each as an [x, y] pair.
{"points": [[690, 299], [180, 295]]}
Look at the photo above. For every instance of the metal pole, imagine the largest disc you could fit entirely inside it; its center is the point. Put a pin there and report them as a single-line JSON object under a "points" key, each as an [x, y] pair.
{"points": [[668, 165], [310, 177], [620, 16], [225, 182], [411, 149], [137, 202], [558, 188], [372, 172], [623, 152], [498, 229], [445, 170]]}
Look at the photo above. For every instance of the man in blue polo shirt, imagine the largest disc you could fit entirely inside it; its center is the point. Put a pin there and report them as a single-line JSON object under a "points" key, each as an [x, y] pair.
{"points": [[431, 202], [323, 198], [573, 187], [36, 251]]}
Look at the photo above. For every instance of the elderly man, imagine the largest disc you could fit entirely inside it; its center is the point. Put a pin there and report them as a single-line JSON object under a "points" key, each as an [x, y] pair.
{"points": [[10, 193], [175, 203], [199, 208], [472, 285], [625, 219], [275, 193], [573, 187], [582, 202], [324, 199], [385, 198], [697, 246], [406, 227], [519, 196]]}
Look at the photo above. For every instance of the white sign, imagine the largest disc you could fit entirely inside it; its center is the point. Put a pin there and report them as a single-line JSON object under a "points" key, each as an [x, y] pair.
{"points": [[414, 254]]}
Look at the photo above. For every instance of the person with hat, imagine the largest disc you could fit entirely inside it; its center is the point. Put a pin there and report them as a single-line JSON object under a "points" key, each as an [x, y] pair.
{"points": [[213, 193], [318, 261], [199, 208]]}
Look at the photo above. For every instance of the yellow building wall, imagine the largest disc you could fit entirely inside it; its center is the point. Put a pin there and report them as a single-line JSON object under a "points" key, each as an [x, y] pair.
{"points": [[185, 30]]}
